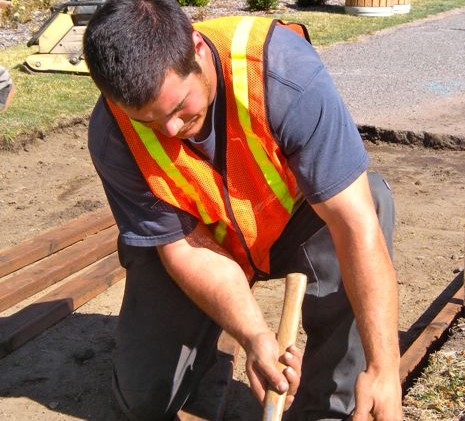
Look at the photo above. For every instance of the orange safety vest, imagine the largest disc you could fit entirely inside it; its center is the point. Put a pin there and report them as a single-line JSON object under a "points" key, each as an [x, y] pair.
{"points": [[248, 206]]}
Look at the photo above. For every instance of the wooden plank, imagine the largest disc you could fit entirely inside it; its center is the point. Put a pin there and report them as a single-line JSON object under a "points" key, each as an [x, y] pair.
{"points": [[418, 350], [24, 325], [33, 279], [49, 242]]}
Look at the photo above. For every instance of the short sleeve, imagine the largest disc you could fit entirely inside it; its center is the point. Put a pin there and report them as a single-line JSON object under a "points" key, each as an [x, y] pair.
{"points": [[309, 119], [143, 219]]}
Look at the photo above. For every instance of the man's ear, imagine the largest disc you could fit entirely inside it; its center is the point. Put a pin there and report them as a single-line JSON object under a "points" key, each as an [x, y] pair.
{"points": [[200, 46]]}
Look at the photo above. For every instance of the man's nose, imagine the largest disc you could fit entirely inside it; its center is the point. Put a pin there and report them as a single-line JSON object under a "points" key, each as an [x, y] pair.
{"points": [[172, 127]]}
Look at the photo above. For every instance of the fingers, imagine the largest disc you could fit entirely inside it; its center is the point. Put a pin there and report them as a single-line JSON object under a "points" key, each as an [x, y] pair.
{"points": [[377, 397], [363, 400], [262, 356], [361, 415], [264, 372], [258, 384], [292, 359], [274, 379]]}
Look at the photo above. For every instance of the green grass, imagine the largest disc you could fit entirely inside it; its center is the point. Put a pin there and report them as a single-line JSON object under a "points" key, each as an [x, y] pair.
{"points": [[42, 101], [331, 25], [440, 391]]}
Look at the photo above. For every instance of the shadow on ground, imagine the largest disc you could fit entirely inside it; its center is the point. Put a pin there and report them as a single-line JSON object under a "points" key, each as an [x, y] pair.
{"points": [[67, 370]]}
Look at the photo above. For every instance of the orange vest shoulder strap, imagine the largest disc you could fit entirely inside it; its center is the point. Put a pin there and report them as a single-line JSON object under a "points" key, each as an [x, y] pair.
{"points": [[298, 28]]}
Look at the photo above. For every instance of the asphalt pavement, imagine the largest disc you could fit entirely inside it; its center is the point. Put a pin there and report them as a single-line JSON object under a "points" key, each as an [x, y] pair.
{"points": [[410, 77]]}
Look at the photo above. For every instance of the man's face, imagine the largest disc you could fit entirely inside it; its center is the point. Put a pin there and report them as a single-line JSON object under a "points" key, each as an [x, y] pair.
{"points": [[180, 108]]}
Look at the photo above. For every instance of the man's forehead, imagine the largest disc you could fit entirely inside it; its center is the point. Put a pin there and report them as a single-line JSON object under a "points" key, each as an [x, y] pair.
{"points": [[169, 100]]}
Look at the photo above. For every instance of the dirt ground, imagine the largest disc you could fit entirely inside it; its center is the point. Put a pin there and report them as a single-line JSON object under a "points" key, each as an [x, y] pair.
{"points": [[64, 374]]}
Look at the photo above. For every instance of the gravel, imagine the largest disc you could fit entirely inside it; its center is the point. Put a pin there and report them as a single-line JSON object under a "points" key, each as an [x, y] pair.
{"points": [[20, 33], [10, 37], [215, 8]]}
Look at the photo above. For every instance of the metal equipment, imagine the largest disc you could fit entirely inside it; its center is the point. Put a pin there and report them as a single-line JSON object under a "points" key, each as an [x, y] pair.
{"points": [[60, 39]]}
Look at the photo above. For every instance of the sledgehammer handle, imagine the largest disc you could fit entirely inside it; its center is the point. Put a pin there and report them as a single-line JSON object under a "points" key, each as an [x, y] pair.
{"points": [[296, 284]]}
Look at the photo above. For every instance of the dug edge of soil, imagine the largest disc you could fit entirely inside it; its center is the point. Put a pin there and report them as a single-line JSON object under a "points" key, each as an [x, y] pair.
{"points": [[65, 373]]}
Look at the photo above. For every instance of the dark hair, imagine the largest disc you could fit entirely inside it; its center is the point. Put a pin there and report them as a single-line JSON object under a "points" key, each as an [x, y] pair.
{"points": [[129, 45]]}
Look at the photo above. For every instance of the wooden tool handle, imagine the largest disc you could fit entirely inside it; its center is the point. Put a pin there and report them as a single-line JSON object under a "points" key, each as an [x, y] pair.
{"points": [[296, 284]]}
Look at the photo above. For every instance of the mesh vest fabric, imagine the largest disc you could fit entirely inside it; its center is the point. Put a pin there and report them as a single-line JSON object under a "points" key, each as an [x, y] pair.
{"points": [[248, 205]]}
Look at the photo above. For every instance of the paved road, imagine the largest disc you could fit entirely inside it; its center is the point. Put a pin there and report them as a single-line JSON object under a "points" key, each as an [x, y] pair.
{"points": [[410, 77]]}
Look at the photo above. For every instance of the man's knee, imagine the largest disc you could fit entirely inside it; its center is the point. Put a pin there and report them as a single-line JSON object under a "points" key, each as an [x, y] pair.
{"points": [[142, 404], [381, 193], [384, 204]]}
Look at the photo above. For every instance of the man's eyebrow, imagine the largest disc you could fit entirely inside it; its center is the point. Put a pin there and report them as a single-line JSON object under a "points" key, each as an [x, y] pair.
{"points": [[178, 107]]}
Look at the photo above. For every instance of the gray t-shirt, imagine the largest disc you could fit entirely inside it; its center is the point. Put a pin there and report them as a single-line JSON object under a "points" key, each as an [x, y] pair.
{"points": [[307, 116]]}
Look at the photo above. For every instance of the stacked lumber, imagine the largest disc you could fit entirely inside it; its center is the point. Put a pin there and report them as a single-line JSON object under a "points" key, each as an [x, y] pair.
{"points": [[80, 257]]}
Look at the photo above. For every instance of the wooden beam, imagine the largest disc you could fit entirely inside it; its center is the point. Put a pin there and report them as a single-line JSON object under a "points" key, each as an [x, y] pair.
{"points": [[51, 241], [426, 340], [24, 325], [48, 271]]}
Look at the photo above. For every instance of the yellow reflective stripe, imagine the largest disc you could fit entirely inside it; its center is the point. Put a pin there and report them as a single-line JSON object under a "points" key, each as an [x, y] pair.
{"points": [[241, 93], [220, 232], [156, 151]]}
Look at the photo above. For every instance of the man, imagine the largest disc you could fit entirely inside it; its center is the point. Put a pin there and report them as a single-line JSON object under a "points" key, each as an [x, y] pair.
{"points": [[205, 140], [7, 89]]}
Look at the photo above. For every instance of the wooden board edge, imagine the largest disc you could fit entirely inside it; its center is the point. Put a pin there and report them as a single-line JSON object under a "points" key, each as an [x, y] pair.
{"points": [[53, 240], [21, 285], [412, 358], [26, 324]]}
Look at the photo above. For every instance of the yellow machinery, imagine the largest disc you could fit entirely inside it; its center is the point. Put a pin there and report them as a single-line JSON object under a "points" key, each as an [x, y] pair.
{"points": [[60, 39]]}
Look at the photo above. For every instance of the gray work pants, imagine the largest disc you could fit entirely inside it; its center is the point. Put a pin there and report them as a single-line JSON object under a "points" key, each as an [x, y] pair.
{"points": [[164, 344]]}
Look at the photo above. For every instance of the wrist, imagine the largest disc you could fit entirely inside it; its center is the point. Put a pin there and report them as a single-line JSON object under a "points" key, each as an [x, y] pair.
{"points": [[384, 358], [385, 371], [251, 340]]}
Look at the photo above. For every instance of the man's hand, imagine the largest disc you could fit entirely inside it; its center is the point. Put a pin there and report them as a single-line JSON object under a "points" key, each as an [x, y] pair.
{"points": [[377, 397], [262, 357]]}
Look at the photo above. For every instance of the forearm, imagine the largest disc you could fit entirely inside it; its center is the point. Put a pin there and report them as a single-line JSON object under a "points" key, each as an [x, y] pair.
{"points": [[215, 283], [371, 286], [370, 283]]}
